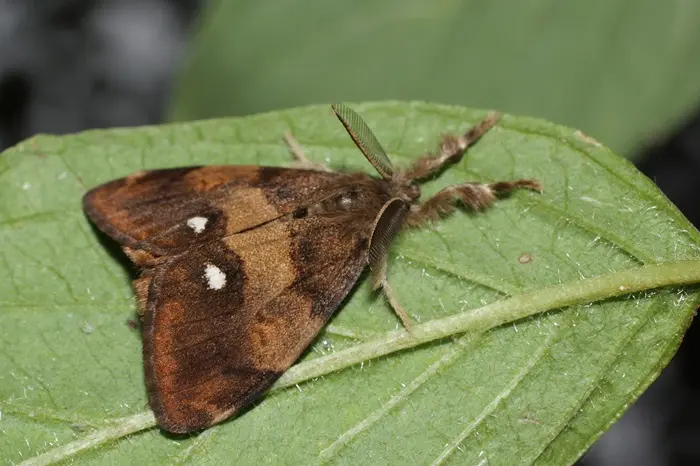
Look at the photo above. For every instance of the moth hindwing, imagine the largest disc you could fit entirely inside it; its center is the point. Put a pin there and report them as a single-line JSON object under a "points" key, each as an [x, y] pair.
{"points": [[241, 266]]}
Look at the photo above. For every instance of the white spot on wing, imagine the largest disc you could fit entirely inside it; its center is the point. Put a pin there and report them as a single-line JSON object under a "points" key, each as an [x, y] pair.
{"points": [[198, 224], [216, 279]]}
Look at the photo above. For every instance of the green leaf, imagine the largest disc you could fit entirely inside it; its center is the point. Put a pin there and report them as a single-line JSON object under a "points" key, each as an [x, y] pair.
{"points": [[614, 263], [621, 71]]}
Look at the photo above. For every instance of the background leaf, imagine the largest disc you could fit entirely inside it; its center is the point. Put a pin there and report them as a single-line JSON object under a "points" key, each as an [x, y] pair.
{"points": [[618, 70], [540, 390]]}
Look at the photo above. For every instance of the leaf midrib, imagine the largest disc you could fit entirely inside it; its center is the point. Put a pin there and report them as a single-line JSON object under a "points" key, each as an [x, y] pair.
{"points": [[490, 316]]}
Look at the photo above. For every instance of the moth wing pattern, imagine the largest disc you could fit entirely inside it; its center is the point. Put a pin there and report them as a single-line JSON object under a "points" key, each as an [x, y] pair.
{"points": [[267, 292], [168, 211]]}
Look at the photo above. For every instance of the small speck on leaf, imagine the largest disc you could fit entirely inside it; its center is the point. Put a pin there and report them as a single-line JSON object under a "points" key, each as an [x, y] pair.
{"points": [[87, 328], [525, 258]]}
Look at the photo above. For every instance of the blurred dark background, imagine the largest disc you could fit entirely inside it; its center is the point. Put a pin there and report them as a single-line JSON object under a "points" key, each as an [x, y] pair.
{"points": [[69, 65]]}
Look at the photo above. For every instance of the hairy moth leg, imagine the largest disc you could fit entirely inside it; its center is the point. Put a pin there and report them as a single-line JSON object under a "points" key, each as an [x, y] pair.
{"points": [[379, 281], [300, 159], [452, 148], [476, 196]]}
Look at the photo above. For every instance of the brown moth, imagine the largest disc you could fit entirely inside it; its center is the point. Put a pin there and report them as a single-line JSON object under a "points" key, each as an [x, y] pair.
{"points": [[243, 265]]}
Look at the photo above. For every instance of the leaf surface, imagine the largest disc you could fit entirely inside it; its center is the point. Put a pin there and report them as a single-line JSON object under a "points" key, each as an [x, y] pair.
{"points": [[537, 390]]}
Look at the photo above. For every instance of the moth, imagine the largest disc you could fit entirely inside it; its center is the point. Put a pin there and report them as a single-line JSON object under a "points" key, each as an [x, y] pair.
{"points": [[241, 266]]}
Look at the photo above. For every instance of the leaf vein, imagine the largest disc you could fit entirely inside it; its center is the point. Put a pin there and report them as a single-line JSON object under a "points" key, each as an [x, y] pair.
{"points": [[27, 373], [613, 355], [66, 283], [493, 404], [453, 352]]}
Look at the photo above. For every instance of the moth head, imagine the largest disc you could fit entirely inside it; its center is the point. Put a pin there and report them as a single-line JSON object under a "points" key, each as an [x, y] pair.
{"points": [[408, 191], [374, 152]]}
